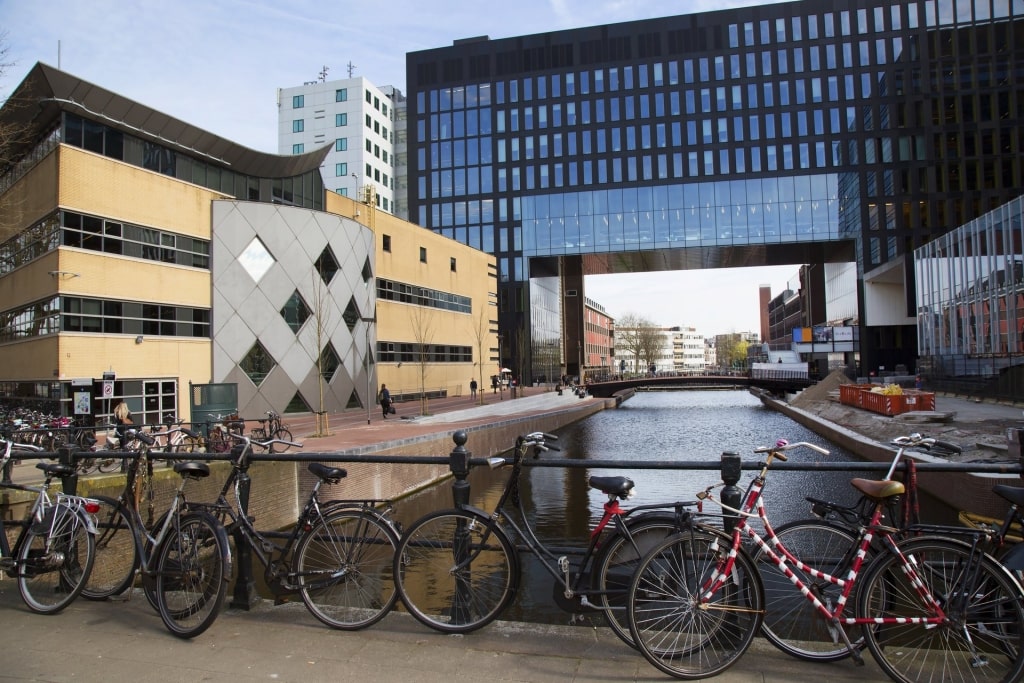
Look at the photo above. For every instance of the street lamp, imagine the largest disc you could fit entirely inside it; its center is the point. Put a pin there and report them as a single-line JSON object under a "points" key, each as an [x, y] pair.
{"points": [[366, 363]]}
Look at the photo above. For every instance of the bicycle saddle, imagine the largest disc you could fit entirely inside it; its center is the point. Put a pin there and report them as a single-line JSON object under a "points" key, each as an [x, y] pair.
{"points": [[613, 486], [330, 475], [192, 469], [878, 489], [1014, 494], [52, 468]]}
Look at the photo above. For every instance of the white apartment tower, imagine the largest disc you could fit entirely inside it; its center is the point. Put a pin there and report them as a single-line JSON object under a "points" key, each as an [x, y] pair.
{"points": [[358, 121]]}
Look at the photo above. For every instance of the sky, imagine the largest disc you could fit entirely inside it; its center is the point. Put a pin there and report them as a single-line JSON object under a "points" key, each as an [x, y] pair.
{"points": [[218, 65]]}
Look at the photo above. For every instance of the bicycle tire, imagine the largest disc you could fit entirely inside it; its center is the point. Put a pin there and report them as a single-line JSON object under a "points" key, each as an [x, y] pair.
{"points": [[55, 559], [671, 628], [117, 553], [108, 465], [441, 594], [188, 444], [791, 621], [284, 435], [192, 573], [344, 568], [616, 562], [991, 621], [86, 466]]}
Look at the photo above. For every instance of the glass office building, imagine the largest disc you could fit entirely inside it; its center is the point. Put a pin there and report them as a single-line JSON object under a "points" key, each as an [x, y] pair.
{"points": [[803, 132], [971, 300]]}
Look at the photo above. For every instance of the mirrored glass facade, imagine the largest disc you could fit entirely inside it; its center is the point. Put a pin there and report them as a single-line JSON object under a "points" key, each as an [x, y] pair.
{"points": [[971, 292], [878, 125]]}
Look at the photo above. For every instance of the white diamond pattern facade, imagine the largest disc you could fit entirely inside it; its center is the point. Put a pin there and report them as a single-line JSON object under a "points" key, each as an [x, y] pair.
{"points": [[247, 310]]}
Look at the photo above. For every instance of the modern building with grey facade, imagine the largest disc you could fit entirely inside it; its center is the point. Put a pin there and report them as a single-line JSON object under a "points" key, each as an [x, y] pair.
{"points": [[803, 132]]}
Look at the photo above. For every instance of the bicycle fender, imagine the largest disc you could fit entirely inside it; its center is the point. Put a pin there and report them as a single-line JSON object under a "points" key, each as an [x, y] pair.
{"points": [[1014, 558]]}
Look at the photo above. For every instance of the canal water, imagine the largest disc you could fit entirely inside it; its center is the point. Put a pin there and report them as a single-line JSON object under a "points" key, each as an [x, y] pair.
{"points": [[651, 426]]}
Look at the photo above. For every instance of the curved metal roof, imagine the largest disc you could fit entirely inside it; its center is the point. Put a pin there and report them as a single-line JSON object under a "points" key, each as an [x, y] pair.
{"points": [[46, 91]]}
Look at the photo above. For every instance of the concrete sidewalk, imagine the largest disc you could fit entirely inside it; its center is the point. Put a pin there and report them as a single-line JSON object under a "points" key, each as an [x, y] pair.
{"points": [[98, 642]]}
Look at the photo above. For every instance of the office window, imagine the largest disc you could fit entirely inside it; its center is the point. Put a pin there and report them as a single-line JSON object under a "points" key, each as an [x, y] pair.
{"points": [[298, 125], [341, 95], [369, 121], [297, 149], [453, 264], [341, 145], [423, 254], [341, 119], [386, 242], [340, 170], [298, 101], [369, 97]]}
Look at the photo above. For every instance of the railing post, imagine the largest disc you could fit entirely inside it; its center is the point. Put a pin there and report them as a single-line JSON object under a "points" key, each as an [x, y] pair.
{"points": [[66, 456], [245, 595], [731, 494], [458, 463]]}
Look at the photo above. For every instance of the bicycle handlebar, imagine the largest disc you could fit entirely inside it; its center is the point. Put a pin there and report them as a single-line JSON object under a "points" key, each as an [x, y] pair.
{"points": [[916, 440], [783, 445]]}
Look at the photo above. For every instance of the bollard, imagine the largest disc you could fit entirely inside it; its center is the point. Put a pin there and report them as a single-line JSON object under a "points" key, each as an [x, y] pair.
{"points": [[245, 595], [66, 456], [458, 463], [459, 466], [731, 494]]}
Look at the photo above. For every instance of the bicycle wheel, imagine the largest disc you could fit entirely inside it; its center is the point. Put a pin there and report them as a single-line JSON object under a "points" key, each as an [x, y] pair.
{"points": [[192, 572], [117, 557], [791, 621], [55, 559], [188, 444], [344, 569], [108, 465], [616, 562], [284, 435], [455, 572], [679, 629], [982, 638], [86, 466]]}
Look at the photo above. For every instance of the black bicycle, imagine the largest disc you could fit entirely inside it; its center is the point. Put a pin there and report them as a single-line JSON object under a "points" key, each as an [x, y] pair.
{"points": [[183, 555], [339, 554], [457, 569]]}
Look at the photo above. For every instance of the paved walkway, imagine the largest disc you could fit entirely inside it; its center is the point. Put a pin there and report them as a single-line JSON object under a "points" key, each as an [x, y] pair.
{"points": [[99, 642]]}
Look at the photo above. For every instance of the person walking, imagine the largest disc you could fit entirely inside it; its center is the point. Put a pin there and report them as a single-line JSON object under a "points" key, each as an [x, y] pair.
{"points": [[384, 398], [472, 389]]}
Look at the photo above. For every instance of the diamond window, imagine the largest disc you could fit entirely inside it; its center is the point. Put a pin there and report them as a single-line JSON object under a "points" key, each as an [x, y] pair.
{"points": [[295, 311], [257, 364], [329, 362], [256, 259], [326, 265]]}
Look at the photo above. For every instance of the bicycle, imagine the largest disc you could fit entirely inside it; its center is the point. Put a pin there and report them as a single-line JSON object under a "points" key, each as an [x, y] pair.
{"points": [[173, 438], [930, 607], [791, 623], [338, 556], [183, 557], [273, 430], [55, 547], [457, 569]]}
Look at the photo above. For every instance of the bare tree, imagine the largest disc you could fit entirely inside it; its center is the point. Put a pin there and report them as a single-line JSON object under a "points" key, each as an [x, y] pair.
{"points": [[14, 140], [482, 334], [423, 333], [639, 337]]}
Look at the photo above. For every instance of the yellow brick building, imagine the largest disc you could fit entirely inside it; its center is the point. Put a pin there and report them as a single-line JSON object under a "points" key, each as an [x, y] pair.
{"points": [[135, 244]]}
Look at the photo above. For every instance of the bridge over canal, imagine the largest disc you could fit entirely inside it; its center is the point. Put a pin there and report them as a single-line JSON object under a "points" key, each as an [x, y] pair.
{"points": [[776, 382]]}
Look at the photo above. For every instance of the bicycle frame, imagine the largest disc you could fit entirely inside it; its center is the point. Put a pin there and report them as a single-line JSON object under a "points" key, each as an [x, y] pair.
{"points": [[557, 566], [278, 573]]}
